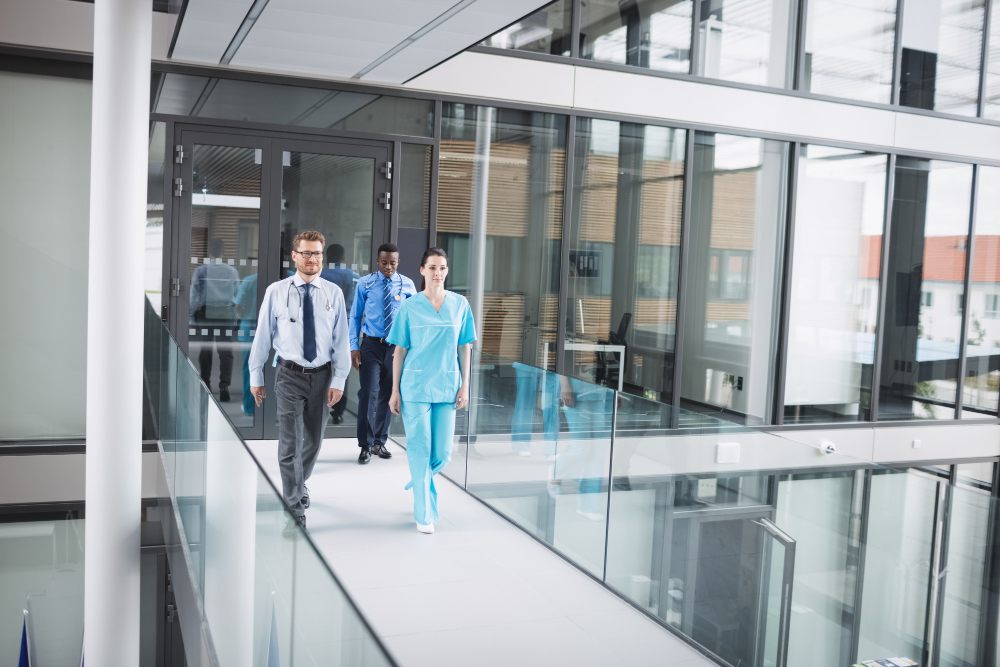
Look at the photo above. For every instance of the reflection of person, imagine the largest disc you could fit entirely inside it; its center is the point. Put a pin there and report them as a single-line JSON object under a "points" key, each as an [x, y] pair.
{"points": [[378, 298], [213, 291], [588, 411], [430, 380], [303, 317], [246, 309], [345, 279], [529, 379]]}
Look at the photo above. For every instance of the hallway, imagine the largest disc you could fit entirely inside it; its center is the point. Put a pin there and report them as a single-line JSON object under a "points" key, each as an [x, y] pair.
{"points": [[478, 591]]}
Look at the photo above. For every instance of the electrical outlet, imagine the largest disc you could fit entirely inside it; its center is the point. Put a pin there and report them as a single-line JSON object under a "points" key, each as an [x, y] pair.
{"points": [[739, 383], [727, 452]]}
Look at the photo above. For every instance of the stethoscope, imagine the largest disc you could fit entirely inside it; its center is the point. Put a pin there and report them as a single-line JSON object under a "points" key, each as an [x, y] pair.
{"points": [[292, 288]]}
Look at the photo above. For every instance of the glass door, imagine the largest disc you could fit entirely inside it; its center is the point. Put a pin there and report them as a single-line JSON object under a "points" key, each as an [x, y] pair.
{"points": [[239, 200], [775, 595], [340, 191]]}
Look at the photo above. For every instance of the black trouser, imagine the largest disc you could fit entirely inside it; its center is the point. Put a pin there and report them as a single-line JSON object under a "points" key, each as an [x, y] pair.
{"points": [[376, 378], [223, 344], [302, 416]]}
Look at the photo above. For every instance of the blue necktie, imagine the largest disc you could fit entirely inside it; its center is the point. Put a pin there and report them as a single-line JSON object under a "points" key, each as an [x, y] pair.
{"points": [[387, 304], [308, 325]]}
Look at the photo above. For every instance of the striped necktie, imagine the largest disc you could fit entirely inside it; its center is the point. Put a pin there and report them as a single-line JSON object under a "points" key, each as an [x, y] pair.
{"points": [[387, 304]]}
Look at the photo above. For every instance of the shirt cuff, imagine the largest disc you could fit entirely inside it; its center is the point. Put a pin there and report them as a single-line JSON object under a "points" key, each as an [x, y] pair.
{"points": [[257, 378], [337, 383]]}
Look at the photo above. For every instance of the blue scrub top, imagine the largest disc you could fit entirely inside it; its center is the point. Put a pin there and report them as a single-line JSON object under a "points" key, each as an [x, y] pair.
{"points": [[431, 373]]}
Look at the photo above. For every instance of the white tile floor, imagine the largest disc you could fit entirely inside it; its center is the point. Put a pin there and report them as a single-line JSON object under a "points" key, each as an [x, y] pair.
{"points": [[476, 592]]}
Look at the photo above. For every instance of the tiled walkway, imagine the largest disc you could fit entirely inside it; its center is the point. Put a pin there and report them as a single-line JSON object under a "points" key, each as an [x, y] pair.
{"points": [[476, 592]]}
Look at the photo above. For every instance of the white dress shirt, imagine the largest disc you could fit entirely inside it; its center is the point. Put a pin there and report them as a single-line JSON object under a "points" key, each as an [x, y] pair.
{"points": [[275, 328]]}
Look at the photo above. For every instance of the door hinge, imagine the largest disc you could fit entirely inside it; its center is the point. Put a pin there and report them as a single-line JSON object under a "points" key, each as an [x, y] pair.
{"points": [[387, 171], [179, 153], [175, 288], [170, 613], [386, 200], [178, 187]]}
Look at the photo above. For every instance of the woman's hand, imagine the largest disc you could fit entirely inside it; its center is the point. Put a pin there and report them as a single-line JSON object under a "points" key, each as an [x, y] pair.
{"points": [[463, 397], [396, 403]]}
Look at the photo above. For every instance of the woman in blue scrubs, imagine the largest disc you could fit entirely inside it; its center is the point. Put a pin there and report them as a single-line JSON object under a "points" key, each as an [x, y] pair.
{"points": [[433, 333]]}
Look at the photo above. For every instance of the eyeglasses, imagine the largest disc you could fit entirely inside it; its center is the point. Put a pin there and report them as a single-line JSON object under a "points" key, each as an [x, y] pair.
{"points": [[310, 255]]}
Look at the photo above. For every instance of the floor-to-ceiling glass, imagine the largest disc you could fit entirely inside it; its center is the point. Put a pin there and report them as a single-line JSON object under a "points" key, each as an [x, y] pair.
{"points": [[941, 54], [750, 41], [621, 309], [981, 387], [849, 48], [991, 101], [924, 291], [833, 311], [644, 33], [545, 31], [732, 283]]}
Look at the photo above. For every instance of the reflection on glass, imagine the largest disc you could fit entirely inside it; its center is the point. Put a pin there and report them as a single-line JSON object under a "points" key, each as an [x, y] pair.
{"points": [[982, 361], [153, 279], [942, 48], [622, 306], [222, 308], [500, 203], [849, 48], [896, 575], [231, 99], [991, 105], [334, 195], [835, 277], [737, 223], [644, 33], [545, 31], [415, 186], [750, 41], [926, 272]]}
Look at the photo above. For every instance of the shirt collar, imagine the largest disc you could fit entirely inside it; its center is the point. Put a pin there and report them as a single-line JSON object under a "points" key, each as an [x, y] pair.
{"points": [[299, 282]]}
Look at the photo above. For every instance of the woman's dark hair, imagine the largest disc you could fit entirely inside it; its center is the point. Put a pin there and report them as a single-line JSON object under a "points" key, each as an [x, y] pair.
{"points": [[430, 252]]}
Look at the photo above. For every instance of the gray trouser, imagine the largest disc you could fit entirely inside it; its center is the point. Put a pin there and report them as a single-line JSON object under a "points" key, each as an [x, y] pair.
{"points": [[302, 416]]}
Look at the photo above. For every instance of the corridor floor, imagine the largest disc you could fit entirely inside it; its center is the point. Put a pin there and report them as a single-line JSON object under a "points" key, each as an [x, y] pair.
{"points": [[478, 591]]}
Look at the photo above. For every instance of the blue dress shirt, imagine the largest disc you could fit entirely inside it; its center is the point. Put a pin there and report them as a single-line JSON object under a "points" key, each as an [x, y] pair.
{"points": [[368, 302], [282, 303], [345, 279]]}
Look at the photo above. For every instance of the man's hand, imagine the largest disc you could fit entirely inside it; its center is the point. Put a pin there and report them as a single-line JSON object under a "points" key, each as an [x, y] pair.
{"points": [[258, 395], [333, 396], [356, 359]]}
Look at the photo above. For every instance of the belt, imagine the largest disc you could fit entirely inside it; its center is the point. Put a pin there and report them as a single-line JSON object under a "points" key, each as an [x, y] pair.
{"points": [[383, 341], [291, 365]]}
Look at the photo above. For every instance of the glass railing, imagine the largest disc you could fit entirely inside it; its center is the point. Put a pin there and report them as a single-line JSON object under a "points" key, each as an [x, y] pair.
{"points": [[758, 549], [262, 591]]}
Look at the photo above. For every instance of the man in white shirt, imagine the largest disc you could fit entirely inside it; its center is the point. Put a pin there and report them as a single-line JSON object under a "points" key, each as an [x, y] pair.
{"points": [[304, 318]]}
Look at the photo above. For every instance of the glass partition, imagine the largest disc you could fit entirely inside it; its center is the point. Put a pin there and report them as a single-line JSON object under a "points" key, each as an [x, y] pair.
{"points": [[836, 256], [545, 31], [749, 41], [645, 33], [991, 103], [263, 590]]}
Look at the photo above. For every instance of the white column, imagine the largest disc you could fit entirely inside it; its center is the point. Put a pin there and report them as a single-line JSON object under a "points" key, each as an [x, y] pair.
{"points": [[118, 165], [480, 200]]}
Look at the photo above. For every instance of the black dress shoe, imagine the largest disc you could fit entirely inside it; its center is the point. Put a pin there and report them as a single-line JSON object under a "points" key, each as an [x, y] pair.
{"points": [[382, 452], [365, 456], [224, 394], [336, 419], [305, 497]]}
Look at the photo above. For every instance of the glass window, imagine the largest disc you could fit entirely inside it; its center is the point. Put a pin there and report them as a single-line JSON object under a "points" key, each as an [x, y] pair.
{"points": [[849, 48], [545, 31], [627, 197], [930, 224], [232, 99], [644, 33], [500, 203], [415, 186], [982, 353], [942, 48], [833, 314], [991, 105], [750, 41], [731, 291]]}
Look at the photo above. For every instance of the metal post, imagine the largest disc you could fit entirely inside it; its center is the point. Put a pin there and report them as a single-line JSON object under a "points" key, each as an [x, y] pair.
{"points": [[477, 230], [984, 60], [897, 58], [574, 30], [890, 184], [800, 46], [970, 254], [435, 176], [118, 165], [786, 289], [682, 264], [567, 239]]}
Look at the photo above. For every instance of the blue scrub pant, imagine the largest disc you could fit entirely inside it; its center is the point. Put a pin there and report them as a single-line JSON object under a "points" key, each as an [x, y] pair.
{"points": [[585, 456], [523, 421], [430, 434]]}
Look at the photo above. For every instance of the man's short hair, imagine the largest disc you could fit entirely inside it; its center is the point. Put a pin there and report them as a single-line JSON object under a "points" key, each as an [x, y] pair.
{"points": [[387, 247], [335, 253], [216, 247], [307, 236]]}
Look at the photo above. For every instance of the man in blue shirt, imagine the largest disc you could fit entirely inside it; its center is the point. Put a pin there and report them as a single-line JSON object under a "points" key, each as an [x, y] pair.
{"points": [[376, 301], [344, 278]]}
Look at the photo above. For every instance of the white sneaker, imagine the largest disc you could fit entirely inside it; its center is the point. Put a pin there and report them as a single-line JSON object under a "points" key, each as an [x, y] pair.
{"points": [[428, 529], [524, 452]]}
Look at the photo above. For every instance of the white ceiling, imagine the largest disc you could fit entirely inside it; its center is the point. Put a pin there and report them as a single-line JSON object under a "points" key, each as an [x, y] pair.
{"points": [[388, 41]]}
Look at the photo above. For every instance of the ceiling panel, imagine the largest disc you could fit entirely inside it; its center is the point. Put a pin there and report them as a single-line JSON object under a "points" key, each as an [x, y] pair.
{"points": [[208, 28]]}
